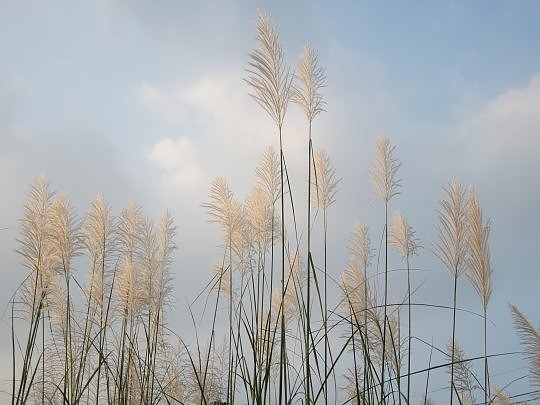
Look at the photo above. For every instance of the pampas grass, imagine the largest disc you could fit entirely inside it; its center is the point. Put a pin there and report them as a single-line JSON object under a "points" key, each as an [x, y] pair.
{"points": [[451, 248], [90, 321], [403, 239], [530, 340], [386, 185]]}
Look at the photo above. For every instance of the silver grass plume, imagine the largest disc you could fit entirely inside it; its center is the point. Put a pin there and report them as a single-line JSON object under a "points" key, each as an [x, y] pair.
{"points": [[35, 249], [403, 239], [359, 301], [99, 240], [451, 248], [149, 262], [402, 236], [268, 75], [55, 304], [66, 239], [463, 380], [129, 226], [128, 291], [478, 263], [530, 340], [352, 284], [223, 209], [33, 243], [500, 397], [166, 246], [383, 170], [324, 181], [360, 245], [268, 175], [128, 286], [261, 218], [452, 229], [394, 354], [311, 79]]}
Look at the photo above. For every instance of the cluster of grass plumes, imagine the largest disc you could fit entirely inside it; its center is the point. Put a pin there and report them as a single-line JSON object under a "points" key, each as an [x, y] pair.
{"points": [[90, 319]]}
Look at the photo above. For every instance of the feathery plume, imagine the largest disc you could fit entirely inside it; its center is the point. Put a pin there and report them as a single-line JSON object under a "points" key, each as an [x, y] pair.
{"points": [[128, 290], [463, 380], [268, 175], [56, 304], [352, 285], [33, 243], [99, 241], [64, 234], [268, 75], [384, 169], [478, 264], [360, 244], [402, 236], [530, 340], [312, 79], [500, 397], [451, 248], [223, 209], [129, 225], [263, 222], [324, 181]]}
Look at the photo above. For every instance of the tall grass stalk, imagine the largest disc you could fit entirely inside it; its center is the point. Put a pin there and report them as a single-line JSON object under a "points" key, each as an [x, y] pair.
{"points": [[479, 268], [383, 175], [270, 80], [402, 238], [311, 79], [451, 247]]}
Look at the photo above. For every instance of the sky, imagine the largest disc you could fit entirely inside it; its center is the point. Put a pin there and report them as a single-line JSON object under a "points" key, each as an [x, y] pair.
{"points": [[146, 101]]}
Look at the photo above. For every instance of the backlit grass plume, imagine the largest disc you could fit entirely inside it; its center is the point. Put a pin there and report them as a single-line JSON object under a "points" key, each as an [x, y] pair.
{"points": [[451, 247], [270, 80], [324, 181], [403, 239], [383, 171], [478, 266], [530, 340], [463, 381], [478, 258], [386, 184], [268, 75], [311, 79]]}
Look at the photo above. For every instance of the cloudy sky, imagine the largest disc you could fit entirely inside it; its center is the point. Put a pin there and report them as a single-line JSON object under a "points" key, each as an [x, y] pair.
{"points": [[145, 101]]}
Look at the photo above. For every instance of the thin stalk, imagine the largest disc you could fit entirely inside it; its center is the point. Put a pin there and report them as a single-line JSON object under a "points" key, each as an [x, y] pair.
{"points": [[308, 307], [453, 338], [282, 332], [326, 341], [385, 296], [486, 377], [409, 331]]}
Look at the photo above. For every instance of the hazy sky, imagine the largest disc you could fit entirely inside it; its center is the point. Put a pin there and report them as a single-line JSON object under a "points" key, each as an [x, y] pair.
{"points": [[145, 101]]}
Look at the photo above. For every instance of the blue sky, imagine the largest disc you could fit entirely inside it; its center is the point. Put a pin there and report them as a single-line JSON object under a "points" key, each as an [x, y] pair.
{"points": [[146, 101]]}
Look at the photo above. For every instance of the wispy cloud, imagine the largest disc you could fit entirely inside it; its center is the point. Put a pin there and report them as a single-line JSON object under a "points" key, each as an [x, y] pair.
{"points": [[178, 158]]}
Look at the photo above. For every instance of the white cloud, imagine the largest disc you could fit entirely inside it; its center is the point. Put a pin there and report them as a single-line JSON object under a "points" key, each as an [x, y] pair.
{"points": [[224, 131], [178, 158], [504, 137]]}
